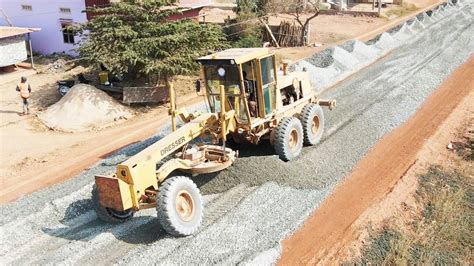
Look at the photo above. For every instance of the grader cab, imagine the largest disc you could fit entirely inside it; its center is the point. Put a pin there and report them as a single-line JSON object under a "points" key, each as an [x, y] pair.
{"points": [[248, 99]]}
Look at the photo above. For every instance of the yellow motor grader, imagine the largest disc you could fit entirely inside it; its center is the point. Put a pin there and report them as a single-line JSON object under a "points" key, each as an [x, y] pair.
{"points": [[249, 100]]}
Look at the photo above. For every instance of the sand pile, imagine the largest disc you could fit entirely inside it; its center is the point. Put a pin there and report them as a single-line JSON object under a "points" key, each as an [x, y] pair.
{"points": [[84, 108]]}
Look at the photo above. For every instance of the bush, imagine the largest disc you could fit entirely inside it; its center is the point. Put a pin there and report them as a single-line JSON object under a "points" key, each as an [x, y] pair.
{"points": [[248, 42], [442, 236]]}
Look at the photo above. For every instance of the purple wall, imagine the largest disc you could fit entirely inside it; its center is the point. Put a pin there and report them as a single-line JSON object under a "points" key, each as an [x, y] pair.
{"points": [[45, 14]]}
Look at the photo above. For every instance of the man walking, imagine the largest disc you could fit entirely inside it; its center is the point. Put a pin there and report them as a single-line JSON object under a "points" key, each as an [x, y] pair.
{"points": [[25, 92]]}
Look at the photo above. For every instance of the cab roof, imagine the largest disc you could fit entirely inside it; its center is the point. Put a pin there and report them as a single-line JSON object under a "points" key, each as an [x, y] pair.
{"points": [[239, 55]]}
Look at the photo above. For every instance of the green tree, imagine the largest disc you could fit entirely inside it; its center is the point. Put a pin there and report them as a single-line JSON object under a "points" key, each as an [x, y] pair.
{"points": [[249, 13], [134, 37], [259, 7]]}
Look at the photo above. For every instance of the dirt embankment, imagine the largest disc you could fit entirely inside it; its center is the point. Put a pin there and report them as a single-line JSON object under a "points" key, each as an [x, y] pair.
{"points": [[332, 225]]}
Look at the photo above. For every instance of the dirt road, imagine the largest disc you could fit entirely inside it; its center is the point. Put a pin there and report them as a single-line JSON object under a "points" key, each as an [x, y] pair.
{"points": [[253, 205], [377, 173], [39, 157], [80, 151]]}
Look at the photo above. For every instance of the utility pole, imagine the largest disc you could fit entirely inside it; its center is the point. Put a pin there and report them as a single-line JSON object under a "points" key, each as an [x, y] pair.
{"points": [[380, 6]]}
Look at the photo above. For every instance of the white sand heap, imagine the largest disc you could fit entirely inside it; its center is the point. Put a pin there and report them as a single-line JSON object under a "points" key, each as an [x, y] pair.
{"points": [[84, 108]]}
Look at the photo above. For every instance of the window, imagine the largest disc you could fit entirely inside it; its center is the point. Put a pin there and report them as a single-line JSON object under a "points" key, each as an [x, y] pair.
{"points": [[26, 7], [268, 70], [68, 33], [65, 10]]}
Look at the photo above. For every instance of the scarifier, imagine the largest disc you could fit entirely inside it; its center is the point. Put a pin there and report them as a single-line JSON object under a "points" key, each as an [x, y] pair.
{"points": [[249, 100]]}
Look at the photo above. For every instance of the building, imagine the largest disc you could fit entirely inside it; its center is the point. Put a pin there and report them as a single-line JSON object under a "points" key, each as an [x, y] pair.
{"points": [[13, 46], [190, 9], [53, 17]]}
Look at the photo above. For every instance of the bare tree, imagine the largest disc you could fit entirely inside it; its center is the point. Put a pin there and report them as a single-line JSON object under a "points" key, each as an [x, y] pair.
{"points": [[301, 7]]}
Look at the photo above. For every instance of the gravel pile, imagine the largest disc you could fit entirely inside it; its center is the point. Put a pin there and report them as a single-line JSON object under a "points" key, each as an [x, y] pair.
{"points": [[346, 60], [436, 15], [322, 59], [364, 52], [386, 42], [348, 46], [84, 108], [426, 19], [361, 51], [251, 206], [417, 26], [404, 33]]}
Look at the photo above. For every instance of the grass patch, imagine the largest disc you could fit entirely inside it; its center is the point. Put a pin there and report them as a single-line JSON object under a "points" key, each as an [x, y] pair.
{"points": [[400, 11], [443, 233]]}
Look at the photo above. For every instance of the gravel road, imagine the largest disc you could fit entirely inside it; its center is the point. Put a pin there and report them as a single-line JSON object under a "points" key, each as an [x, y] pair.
{"points": [[250, 207]]}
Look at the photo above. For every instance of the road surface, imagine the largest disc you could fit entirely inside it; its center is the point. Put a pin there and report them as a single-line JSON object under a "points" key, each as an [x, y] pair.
{"points": [[253, 205]]}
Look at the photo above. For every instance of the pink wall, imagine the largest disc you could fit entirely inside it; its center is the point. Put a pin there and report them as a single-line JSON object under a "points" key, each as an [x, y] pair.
{"points": [[46, 15]]}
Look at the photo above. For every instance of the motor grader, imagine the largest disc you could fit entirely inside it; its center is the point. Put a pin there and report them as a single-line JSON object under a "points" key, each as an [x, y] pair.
{"points": [[248, 99]]}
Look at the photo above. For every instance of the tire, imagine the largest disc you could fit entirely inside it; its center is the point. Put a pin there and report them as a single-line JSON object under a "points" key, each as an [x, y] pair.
{"points": [[179, 206], [312, 119], [289, 138], [109, 215]]}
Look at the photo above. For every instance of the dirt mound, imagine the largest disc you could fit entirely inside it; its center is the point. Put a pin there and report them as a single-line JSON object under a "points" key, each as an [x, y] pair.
{"points": [[84, 108]]}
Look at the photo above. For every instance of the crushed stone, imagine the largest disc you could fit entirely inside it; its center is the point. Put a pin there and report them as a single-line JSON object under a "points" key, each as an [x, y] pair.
{"points": [[84, 108]]}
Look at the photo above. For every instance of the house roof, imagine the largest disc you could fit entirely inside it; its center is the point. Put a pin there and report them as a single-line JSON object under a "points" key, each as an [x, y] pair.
{"points": [[6, 32], [193, 3]]}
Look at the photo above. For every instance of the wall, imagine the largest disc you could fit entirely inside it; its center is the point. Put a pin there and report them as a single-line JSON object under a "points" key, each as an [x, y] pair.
{"points": [[191, 13], [96, 3], [46, 15], [13, 50]]}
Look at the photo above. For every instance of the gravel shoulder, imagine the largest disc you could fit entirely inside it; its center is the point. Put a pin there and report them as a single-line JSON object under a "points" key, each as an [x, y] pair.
{"points": [[378, 172], [253, 205]]}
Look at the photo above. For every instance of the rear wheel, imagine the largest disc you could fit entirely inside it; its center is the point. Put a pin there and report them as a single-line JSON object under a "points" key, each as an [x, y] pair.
{"points": [[288, 138], [312, 119], [109, 215], [179, 206]]}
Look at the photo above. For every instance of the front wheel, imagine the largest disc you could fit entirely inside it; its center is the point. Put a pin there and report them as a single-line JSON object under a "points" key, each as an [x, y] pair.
{"points": [[109, 215], [288, 140], [179, 206]]}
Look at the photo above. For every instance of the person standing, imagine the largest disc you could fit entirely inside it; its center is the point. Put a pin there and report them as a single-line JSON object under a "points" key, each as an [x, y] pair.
{"points": [[25, 92]]}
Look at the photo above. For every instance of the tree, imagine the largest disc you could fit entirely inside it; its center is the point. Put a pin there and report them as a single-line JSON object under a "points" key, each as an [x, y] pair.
{"points": [[133, 37], [298, 9], [249, 13], [258, 7]]}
